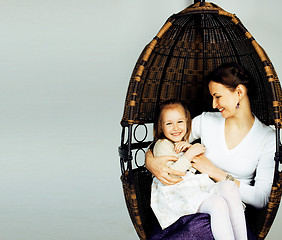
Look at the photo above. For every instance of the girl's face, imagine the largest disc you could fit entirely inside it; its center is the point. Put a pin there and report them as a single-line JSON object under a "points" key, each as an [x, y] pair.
{"points": [[224, 99], [173, 123]]}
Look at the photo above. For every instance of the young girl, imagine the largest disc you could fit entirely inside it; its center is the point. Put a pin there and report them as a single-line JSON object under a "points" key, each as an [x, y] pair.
{"points": [[196, 193]]}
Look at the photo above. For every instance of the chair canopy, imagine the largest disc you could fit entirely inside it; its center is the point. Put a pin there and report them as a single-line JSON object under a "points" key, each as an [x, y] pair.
{"points": [[190, 45], [175, 64]]}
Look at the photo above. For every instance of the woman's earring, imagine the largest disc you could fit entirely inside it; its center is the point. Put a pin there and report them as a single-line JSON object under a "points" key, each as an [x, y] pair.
{"points": [[238, 105]]}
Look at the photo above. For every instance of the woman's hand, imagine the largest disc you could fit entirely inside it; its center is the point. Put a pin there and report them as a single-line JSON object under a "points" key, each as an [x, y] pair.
{"points": [[158, 167], [204, 165]]}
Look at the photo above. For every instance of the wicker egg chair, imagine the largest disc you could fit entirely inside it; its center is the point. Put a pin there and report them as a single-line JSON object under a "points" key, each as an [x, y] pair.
{"points": [[175, 65]]}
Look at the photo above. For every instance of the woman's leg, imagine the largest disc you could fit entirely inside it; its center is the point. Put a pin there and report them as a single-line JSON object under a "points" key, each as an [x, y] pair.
{"points": [[230, 192], [217, 208]]}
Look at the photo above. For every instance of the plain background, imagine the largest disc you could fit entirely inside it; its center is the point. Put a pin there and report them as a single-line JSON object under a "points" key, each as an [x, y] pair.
{"points": [[65, 68]]}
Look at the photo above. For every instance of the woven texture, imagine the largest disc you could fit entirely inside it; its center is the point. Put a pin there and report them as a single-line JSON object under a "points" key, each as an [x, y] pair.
{"points": [[176, 62], [271, 209], [261, 220], [137, 192]]}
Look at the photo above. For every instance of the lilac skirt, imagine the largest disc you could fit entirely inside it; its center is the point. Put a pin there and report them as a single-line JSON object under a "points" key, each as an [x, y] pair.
{"points": [[190, 227]]}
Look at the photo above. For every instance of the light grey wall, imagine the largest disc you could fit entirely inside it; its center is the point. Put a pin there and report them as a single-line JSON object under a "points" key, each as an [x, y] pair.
{"points": [[65, 68]]}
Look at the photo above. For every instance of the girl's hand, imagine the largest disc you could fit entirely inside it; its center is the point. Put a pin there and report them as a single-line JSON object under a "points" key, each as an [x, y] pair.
{"points": [[158, 167], [194, 150], [181, 146]]}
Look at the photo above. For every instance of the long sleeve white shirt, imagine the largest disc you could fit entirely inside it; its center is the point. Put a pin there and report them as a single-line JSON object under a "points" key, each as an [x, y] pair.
{"points": [[252, 159]]}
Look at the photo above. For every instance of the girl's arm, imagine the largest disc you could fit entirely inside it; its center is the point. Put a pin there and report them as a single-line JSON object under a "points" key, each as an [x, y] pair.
{"points": [[194, 150], [158, 167], [181, 146], [184, 162]]}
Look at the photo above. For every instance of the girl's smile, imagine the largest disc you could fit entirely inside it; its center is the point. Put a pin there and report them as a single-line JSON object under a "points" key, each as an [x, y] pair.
{"points": [[174, 124]]}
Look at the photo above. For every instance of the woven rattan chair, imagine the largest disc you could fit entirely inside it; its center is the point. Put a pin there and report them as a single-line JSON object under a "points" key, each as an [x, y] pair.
{"points": [[175, 65]]}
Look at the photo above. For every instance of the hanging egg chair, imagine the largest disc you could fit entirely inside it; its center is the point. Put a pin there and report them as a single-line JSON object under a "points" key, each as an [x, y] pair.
{"points": [[175, 64]]}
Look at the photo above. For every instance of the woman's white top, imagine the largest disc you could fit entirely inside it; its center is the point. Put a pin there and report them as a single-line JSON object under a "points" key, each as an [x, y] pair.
{"points": [[252, 158]]}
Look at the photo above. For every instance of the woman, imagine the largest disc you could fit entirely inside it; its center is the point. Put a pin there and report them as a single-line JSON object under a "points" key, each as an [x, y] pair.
{"points": [[238, 146]]}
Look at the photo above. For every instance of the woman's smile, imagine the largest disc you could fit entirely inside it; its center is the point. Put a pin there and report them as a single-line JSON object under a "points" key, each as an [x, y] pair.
{"points": [[224, 99], [221, 109]]}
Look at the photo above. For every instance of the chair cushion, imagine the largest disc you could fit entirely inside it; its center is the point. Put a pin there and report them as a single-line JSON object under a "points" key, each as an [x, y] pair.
{"points": [[191, 227]]}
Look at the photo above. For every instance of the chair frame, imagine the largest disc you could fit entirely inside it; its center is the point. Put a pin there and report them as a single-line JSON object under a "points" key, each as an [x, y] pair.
{"points": [[137, 181]]}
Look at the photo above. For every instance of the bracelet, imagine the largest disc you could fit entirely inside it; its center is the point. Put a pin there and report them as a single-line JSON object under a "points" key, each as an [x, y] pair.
{"points": [[229, 177]]}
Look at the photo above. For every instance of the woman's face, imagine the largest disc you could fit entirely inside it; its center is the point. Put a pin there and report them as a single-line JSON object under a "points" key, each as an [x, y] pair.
{"points": [[224, 99], [173, 122]]}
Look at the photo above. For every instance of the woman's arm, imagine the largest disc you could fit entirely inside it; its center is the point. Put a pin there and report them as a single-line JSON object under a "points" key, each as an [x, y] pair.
{"points": [[204, 165], [258, 194], [158, 167]]}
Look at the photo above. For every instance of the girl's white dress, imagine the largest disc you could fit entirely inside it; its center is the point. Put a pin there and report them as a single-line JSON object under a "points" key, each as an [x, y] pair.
{"points": [[170, 202]]}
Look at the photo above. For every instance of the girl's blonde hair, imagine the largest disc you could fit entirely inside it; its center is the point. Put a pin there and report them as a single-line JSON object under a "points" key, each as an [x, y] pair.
{"points": [[158, 132]]}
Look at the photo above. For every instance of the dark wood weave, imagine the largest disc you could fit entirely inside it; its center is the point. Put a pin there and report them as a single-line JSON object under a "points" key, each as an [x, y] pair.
{"points": [[190, 45], [137, 192], [261, 220], [271, 209], [175, 64]]}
